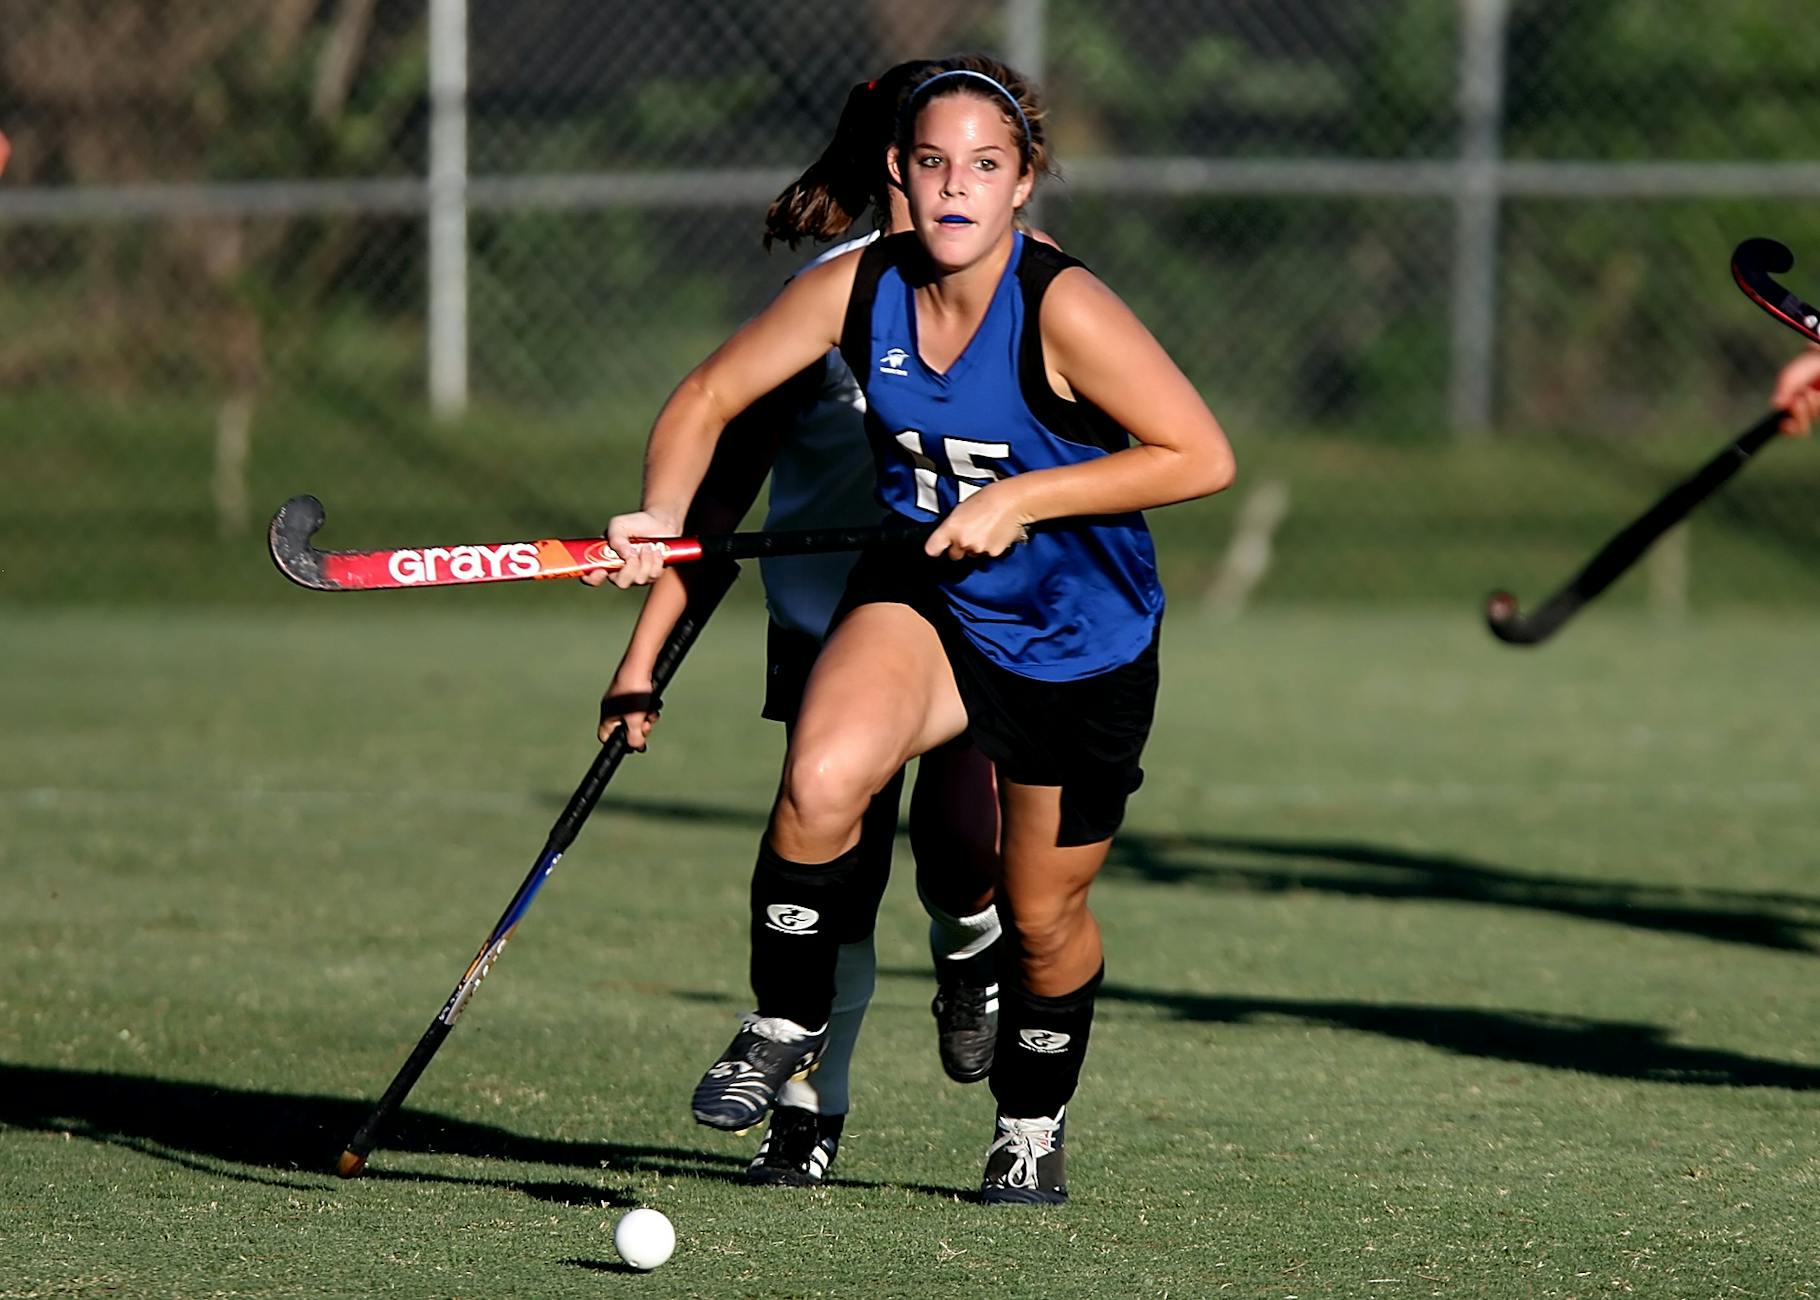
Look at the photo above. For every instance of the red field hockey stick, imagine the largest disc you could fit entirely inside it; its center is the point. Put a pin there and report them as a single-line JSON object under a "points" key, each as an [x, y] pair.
{"points": [[1753, 263], [463, 565]]}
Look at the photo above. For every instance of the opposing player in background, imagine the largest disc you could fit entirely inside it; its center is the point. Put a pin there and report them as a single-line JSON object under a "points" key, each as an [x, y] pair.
{"points": [[1004, 385], [810, 435]]}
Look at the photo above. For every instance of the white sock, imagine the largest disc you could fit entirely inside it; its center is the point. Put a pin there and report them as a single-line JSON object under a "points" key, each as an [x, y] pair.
{"points": [[957, 938], [824, 1091]]}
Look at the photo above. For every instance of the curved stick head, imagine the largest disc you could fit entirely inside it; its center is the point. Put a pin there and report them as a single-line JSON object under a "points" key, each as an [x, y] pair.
{"points": [[350, 1165], [289, 538], [1502, 618], [1764, 256], [1754, 264], [1513, 627]]}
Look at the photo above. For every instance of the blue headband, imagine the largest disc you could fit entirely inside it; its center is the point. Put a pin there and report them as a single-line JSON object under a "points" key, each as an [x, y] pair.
{"points": [[910, 103]]}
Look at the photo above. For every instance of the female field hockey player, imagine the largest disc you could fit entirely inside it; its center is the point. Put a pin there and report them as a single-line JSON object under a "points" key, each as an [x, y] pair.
{"points": [[1004, 386], [810, 436]]}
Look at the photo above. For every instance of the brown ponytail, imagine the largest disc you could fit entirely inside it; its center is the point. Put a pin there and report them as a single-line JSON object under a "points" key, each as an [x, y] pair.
{"points": [[850, 175]]}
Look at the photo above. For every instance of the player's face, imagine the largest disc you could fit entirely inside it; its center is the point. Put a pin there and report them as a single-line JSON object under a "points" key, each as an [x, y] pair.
{"points": [[963, 178]]}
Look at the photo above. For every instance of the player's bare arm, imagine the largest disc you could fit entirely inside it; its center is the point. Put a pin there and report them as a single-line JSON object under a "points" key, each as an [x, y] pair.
{"points": [[735, 476], [1098, 350], [796, 329]]}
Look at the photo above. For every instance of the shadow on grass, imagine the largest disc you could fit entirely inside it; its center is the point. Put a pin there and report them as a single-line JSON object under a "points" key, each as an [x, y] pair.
{"points": [[304, 1134], [1241, 864], [1615, 1049], [600, 1265], [1369, 870], [293, 1134]]}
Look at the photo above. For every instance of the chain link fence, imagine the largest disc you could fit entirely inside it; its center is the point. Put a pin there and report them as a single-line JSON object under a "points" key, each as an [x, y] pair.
{"points": [[1452, 272]]}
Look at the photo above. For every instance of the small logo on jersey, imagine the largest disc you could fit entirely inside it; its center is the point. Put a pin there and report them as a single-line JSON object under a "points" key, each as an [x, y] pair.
{"points": [[788, 918], [1046, 1041], [892, 363]]}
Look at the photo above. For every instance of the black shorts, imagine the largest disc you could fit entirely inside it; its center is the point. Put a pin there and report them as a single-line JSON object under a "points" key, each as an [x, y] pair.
{"points": [[1085, 736], [789, 655]]}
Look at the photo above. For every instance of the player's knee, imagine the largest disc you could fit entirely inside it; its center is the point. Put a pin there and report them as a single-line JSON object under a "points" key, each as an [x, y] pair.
{"points": [[1046, 934], [828, 784]]}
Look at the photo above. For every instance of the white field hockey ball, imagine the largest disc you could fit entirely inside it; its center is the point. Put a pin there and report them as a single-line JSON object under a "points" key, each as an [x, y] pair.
{"points": [[644, 1239]]}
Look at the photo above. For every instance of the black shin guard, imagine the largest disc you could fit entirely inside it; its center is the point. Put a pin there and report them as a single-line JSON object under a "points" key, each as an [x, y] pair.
{"points": [[1042, 1043], [799, 921], [872, 872]]}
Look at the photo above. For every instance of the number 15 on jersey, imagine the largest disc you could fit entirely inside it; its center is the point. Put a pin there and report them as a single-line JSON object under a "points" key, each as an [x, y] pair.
{"points": [[964, 464]]}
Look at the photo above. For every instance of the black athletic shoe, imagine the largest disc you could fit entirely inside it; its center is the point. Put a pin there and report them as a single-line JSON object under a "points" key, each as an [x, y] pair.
{"points": [[966, 1024], [1024, 1163], [798, 1148], [766, 1053]]}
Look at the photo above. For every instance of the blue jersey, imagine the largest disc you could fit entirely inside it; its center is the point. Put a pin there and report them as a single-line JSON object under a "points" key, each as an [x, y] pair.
{"points": [[1080, 597]]}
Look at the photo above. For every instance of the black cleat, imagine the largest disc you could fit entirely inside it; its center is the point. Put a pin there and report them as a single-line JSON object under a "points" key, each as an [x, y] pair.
{"points": [[966, 1021], [766, 1053], [1024, 1163], [798, 1148]]}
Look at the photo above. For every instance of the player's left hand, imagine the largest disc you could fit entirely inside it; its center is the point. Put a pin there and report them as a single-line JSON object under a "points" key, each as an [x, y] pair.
{"points": [[990, 522]]}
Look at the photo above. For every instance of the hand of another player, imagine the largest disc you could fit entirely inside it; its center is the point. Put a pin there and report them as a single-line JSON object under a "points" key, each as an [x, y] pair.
{"points": [[1798, 392], [643, 560], [630, 702], [990, 522]]}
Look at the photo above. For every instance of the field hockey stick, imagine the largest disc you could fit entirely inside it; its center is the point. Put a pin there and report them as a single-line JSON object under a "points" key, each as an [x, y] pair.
{"points": [[1622, 551], [704, 594], [1754, 262], [460, 565]]}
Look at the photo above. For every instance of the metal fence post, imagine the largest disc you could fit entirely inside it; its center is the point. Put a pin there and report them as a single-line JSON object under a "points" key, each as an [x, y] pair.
{"points": [[1476, 201], [1026, 49], [448, 207]]}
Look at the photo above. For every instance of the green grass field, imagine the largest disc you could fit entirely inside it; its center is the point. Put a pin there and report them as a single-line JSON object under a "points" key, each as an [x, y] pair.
{"points": [[1434, 968]]}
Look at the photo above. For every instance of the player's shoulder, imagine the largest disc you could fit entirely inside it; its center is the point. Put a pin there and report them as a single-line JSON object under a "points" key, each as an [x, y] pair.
{"points": [[831, 273], [1080, 314], [1045, 272], [1066, 284], [841, 250], [1041, 252], [833, 268]]}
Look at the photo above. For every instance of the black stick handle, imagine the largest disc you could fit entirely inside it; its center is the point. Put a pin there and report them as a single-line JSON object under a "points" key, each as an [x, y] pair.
{"points": [[811, 541], [708, 586], [1623, 550]]}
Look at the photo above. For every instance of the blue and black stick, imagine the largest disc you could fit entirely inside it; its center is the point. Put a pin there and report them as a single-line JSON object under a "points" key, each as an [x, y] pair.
{"points": [[707, 585]]}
